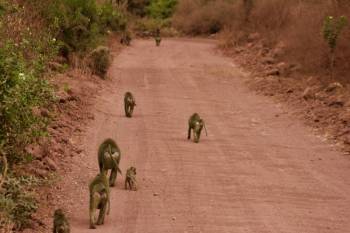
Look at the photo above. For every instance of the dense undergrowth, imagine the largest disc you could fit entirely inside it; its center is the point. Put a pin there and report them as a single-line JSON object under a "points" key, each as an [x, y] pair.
{"points": [[32, 35]]}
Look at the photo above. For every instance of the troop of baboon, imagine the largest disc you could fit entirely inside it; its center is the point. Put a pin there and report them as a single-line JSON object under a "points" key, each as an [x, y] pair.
{"points": [[126, 37], [108, 157]]}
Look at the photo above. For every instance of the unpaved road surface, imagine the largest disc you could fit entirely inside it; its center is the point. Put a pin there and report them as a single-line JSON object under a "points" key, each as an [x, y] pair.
{"points": [[259, 170]]}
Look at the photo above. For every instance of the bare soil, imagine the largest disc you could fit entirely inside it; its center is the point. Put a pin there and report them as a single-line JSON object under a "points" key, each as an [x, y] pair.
{"points": [[259, 170]]}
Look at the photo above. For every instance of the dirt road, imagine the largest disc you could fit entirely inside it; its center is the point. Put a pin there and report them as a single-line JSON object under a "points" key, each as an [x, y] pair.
{"points": [[259, 170]]}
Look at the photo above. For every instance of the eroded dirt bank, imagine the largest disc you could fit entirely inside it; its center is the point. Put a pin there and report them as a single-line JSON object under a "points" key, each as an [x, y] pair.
{"points": [[259, 169]]}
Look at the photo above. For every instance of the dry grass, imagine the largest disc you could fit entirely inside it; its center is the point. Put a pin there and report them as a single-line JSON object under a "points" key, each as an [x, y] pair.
{"points": [[295, 24]]}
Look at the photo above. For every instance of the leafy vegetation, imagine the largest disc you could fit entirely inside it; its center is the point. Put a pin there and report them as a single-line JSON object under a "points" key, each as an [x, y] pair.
{"points": [[161, 9], [31, 35], [331, 30]]}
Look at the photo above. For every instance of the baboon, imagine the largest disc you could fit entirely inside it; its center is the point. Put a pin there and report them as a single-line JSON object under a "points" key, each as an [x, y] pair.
{"points": [[129, 104], [60, 222], [109, 158], [197, 124], [4, 167], [99, 199], [157, 37], [130, 179], [125, 39]]}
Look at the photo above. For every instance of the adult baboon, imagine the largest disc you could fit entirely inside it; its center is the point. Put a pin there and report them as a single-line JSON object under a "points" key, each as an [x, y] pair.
{"points": [[109, 158], [157, 37], [196, 124], [129, 104], [3, 168], [60, 222], [130, 179], [99, 199], [126, 38]]}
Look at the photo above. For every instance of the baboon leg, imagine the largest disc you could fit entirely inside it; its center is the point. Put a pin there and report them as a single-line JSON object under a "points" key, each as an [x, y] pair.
{"points": [[102, 214], [126, 184], [189, 133], [131, 110], [113, 177], [126, 107], [93, 204], [100, 165]]}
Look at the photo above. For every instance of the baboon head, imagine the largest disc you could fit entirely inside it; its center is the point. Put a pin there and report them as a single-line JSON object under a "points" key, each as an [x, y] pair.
{"points": [[58, 213], [133, 169]]}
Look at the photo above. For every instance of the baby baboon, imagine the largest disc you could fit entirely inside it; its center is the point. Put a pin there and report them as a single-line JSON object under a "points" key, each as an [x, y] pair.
{"points": [[99, 199], [60, 222], [197, 124], [109, 158], [129, 104], [130, 179]]}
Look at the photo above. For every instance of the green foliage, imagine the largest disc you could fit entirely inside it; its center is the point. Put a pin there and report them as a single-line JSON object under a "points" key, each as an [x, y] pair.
{"points": [[75, 21], [79, 23], [110, 18], [161, 9], [100, 61], [138, 7], [21, 90], [331, 30], [17, 202]]}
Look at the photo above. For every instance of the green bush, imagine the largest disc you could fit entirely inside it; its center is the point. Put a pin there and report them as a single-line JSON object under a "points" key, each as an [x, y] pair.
{"points": [[79, 23], [138, 7], [75, 21], [17, 202], [100, 60], [21, 90], [161, 9], [110, 18]]}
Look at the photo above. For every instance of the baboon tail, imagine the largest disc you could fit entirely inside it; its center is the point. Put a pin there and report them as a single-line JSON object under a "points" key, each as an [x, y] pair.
{"points": [[205, 129]]}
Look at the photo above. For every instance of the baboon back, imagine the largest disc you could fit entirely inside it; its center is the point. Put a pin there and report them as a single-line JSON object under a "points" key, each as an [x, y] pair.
{"points": [[193, 119], [110, 146]]}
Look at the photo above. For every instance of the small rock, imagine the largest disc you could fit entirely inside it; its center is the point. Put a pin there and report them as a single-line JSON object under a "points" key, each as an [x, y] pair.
{"points": [[51, 164], [282, 68], [336, 103], [253, 37], [173, 218], [333, 86], [44, 113], [273, 72], [268, 60], [294, 67], [39, 172], [346, 140], [307, 94], [156, 194]]}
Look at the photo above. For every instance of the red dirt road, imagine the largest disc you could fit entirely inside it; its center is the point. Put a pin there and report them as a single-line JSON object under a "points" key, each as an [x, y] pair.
{"points": [[259, 170]]}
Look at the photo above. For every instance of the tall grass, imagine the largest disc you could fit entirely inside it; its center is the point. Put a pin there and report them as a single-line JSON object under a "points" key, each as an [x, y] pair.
{"points": [[296, 24]]}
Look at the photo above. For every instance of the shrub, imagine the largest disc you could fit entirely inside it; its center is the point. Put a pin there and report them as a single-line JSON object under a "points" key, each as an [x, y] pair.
{"points": [[100, 60], [18, 201], [138, 7], [331, 31], [161, 9], [203, 17], [21, 90], [110, 18], [75, 21]]}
